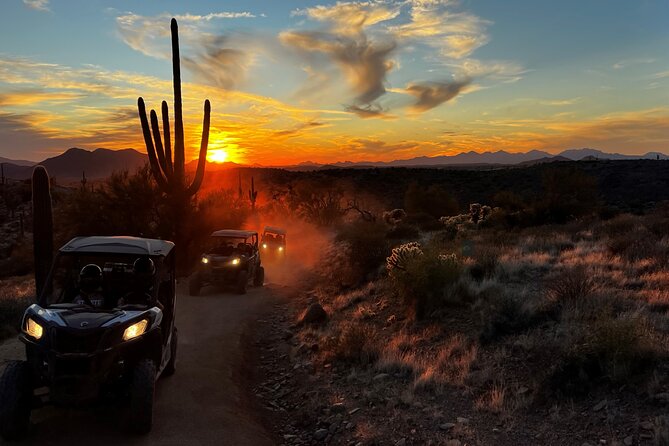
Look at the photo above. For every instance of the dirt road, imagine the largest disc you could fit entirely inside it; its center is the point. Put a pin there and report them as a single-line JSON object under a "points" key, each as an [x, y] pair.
{"points": [[205, 403]]}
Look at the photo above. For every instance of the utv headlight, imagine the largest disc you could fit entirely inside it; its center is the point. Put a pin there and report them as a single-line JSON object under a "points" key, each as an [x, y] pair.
{"points": [[235, 261], [136, 329], [205, 260], [280, 248], [33, 329], [264, 245]]}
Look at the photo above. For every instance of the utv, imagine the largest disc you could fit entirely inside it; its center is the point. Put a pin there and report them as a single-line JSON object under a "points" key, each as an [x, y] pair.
{"points": [[103, 327], [232, 259], [273, 243]]}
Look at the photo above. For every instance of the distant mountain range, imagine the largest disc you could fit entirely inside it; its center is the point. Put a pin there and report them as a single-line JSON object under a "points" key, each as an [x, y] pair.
{"points": [[501, 157], [100, 163]]}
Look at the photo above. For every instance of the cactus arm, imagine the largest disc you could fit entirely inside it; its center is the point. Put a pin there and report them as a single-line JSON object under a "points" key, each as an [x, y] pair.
{"points": [[158, 141], [168, 144], [150, 150], [199, 174], [179, 158]]}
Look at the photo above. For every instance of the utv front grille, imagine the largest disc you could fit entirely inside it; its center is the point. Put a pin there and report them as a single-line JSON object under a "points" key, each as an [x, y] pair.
{"points": [[72, 367], [65, 342]]}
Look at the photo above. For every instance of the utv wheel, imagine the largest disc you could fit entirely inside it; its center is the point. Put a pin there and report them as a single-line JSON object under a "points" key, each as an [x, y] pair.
{"points": [[259, 279], [194, 284], [242, 281], [142, 387], [15, 400], [171, 366]]}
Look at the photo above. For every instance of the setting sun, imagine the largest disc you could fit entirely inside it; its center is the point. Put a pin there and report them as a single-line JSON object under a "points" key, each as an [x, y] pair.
{"points": [[217, 156]]}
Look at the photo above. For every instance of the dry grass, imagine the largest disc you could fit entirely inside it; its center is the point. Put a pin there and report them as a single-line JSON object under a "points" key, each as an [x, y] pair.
{"points": [[493, 400], [557, 311], [16, 294]]}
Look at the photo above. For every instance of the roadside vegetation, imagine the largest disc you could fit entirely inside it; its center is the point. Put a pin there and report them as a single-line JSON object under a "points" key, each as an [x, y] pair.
{"points": [[548, 310]]}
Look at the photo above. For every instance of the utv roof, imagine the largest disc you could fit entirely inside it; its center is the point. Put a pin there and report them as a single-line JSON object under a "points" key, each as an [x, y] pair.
{"points": [[118, 245], [233, 233], [275, 230]]}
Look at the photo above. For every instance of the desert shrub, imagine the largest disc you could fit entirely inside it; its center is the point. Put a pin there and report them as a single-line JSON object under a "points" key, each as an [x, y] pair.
{"points": [[637, 243], [130, 203], [478, 212], [20, 260], [422, 278], [485, 264], [431, 200], [567, 193], [571, 286], [617, 226], [394, 217], [318, 206], [613, 350], [16, 294], [508, 201], [402, 231], [352, 343], [502, 315], [368, 247], [457, 223], [424, 221]]}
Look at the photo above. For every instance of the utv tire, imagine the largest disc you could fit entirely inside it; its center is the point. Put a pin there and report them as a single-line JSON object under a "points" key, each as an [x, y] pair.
{"points": [[171, 365], [142, 388], [259, 279], [194, 284], [15, 400], [242, 281]]}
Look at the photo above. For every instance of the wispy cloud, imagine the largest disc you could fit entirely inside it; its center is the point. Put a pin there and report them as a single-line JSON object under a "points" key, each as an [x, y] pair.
{"points": [[364, 63], [455, 34], [631, 62], [217, 59], [39, 5], [365, 39], [369, 111], [432, 94]]}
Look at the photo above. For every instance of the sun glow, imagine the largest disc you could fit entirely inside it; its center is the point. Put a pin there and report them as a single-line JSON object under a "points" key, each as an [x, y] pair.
{"points": [[217, 156]]}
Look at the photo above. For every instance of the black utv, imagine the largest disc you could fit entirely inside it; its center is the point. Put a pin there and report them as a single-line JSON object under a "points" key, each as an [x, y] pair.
{"points": [[273, 243], [232, 259], [103, 329]]}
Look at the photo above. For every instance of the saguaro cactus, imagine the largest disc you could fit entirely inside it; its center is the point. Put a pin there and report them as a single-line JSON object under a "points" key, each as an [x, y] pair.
{"points": [[83, 181], [253, 195], [169, 171], [240, 192], [42, 228]]}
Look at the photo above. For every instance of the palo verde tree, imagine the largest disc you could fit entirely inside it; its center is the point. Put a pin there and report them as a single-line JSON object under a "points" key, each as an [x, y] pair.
{"points": [[168, 171]]}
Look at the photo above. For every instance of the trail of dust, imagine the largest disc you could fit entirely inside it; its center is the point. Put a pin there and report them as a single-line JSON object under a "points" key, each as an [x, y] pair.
{"points": [[305, 245]]}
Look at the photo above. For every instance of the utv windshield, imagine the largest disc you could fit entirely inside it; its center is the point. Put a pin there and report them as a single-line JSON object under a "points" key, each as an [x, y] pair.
{"points": [[103, 281], [228, 246], [269, 237]]}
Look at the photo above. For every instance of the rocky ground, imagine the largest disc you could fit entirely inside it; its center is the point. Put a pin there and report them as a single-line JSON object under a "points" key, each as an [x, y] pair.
{"points": [[313, 402]]}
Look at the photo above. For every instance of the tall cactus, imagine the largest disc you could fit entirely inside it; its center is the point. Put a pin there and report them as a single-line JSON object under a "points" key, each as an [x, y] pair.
{"points": [[83, 181], [240, 192], [169, 171], [42, 228], [253, 195]]}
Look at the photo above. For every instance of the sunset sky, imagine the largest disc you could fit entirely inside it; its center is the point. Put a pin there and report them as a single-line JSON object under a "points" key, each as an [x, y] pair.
{"points": [[294, 81]]}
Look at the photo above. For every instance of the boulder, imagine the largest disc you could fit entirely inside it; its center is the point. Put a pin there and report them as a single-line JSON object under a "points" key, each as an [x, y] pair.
{"points": [[314, 314]]}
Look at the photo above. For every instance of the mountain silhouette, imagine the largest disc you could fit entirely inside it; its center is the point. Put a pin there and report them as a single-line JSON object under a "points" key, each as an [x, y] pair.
{"points": [[101, 163]]}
